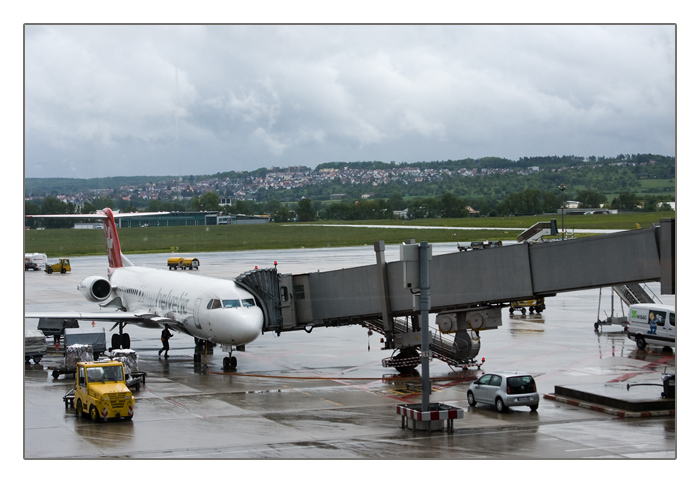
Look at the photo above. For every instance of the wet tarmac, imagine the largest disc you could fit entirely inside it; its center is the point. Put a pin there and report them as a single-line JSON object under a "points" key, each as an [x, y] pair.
{"points": [[326, 395]]}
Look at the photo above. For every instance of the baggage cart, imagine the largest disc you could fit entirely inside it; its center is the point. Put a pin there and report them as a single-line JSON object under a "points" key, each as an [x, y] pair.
{"points": [[74, 353], [34, 346]]}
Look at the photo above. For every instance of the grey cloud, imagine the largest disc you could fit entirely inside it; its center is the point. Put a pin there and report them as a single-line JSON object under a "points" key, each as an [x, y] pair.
{"points": [[121, 100]]}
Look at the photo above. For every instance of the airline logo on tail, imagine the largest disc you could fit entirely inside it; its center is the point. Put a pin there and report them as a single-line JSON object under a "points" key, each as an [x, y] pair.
{"points": [[114, 251]]}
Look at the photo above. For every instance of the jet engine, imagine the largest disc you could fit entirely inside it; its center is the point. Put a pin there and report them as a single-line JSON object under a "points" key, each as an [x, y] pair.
{"points": [[95, 288]]}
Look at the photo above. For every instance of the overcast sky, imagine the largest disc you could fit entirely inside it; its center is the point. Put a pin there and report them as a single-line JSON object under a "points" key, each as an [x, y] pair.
{"points": [[112, 100]]}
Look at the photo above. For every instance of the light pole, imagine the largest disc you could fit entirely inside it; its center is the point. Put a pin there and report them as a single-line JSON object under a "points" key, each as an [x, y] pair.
{"points": [[562, 188]]}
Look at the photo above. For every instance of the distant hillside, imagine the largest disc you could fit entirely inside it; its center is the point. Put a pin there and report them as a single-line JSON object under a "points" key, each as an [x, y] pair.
{"points": [[61, 186], [484, 182], [56, 186]]}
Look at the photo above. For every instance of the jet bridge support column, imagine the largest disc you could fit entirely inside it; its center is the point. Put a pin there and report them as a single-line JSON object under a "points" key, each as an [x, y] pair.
{"points": [[416, 275], [427, 416], [387, 320], [424, 256]]}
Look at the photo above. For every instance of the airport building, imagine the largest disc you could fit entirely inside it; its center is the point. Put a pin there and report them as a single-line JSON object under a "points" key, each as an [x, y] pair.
{"points": [[182, 218], [176, 218]]}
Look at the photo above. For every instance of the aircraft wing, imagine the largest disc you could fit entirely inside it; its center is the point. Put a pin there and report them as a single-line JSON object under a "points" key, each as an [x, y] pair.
{"points": [[143, 319], [106, 316]]}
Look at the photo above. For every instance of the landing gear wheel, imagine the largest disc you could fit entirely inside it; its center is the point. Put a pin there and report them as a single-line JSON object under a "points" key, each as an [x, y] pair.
{"points": [[122, 341], [500, 406], [470, 399], [641, 343], [230, 363]]}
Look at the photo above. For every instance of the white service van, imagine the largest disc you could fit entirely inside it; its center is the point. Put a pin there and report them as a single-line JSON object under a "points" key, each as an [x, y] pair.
{"points": [[652, 324]]}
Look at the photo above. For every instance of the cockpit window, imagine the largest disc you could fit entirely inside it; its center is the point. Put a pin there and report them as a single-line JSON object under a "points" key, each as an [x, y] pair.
{"points": [[230, 303]]}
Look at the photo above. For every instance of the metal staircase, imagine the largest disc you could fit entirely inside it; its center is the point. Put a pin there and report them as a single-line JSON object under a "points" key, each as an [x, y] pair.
{"points": [[632, 293], [442, 347], [629, 293], [538, 230]]}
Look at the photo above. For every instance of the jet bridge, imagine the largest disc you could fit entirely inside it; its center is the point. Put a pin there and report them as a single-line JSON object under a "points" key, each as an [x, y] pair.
{"points": [[467, 288]]}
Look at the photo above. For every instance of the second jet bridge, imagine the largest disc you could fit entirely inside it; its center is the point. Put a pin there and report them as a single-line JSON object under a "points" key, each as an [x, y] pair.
{"points": [[467, 288]]}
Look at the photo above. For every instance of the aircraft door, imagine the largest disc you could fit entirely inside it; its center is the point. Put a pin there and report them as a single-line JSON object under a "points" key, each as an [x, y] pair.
{"points": [[197, 322]]}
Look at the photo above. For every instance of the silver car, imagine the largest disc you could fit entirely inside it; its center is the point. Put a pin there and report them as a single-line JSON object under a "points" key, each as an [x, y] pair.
{"points": [[504, 389]]}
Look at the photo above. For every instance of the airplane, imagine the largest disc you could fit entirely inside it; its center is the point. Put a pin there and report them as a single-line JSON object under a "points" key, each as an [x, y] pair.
{"points": [[208, 309]]}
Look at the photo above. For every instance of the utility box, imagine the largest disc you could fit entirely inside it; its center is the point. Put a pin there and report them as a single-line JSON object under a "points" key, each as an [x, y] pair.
{"points": [[410, 261], [669, 384], [409, 256], [408, 339]]}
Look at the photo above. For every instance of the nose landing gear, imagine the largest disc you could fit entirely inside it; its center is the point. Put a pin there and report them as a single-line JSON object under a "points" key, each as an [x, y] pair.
{"points": [[230, 363]]}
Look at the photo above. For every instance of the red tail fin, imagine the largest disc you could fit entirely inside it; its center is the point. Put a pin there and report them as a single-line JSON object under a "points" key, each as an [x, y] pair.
{"points": [[114, 250]]}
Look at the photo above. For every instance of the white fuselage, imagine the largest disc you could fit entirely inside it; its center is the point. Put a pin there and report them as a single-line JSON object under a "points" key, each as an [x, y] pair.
{"points": [[208, 308]]}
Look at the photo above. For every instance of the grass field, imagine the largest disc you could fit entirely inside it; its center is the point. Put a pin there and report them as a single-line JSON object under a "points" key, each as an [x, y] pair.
{"points": [[193, 239]]}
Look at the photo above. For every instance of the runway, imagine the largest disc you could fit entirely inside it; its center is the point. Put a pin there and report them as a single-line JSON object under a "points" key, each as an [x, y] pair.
{"points": [[461, 228]]}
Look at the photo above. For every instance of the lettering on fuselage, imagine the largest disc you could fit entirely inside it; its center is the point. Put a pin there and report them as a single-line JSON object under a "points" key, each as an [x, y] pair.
{"points": [[172, 303], [165, 302]]}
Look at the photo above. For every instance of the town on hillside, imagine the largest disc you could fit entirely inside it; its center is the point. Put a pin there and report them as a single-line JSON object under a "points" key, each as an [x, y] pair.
{"points": [[360, 181]]}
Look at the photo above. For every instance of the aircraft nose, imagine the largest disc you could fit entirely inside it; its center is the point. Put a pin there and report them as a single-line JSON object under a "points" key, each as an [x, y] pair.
{"points": [[253, 322], [244, 325]]}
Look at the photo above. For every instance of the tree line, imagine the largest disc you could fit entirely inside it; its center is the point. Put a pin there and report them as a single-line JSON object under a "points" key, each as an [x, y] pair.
{"points": [[448, 205]]}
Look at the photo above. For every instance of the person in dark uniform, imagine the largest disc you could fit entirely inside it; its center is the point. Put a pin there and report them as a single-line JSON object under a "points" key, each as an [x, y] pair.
{"points": [[164, 336]]}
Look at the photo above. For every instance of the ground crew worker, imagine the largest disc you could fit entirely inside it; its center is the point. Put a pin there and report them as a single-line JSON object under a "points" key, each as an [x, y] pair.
{"points": [[164, 336]]}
